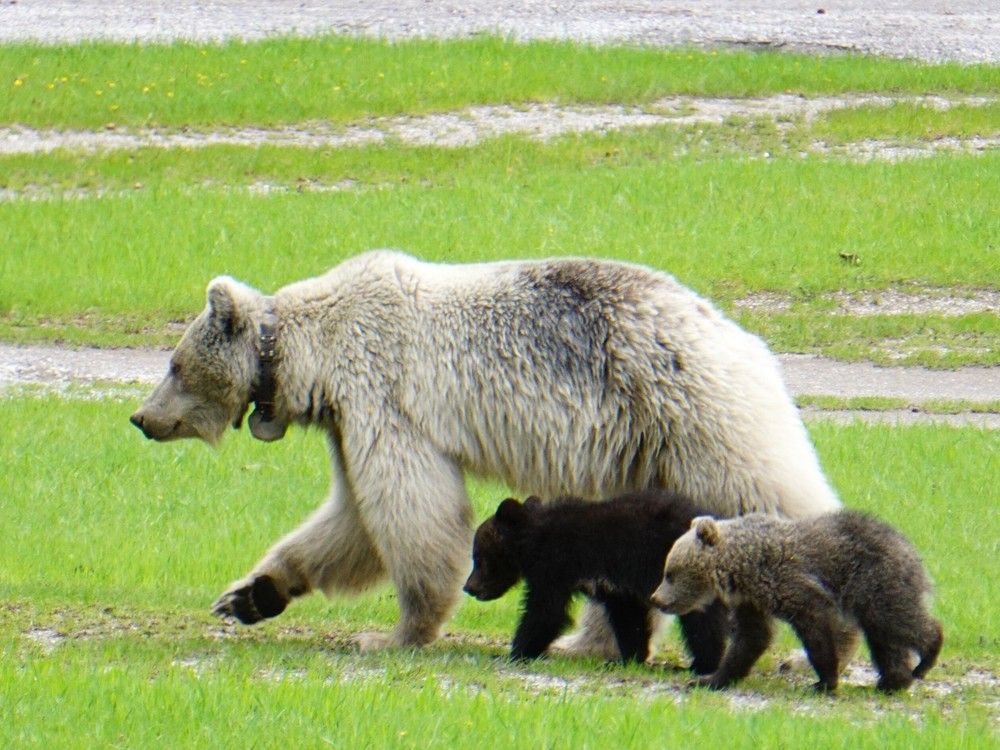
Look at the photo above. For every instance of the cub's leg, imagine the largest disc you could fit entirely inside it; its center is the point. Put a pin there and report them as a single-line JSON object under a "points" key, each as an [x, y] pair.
{"points": [[753, 630], [543, 618], [330, 551], [930, 648], [817, 630], [892, 660], [629, 619], [704, 635]]}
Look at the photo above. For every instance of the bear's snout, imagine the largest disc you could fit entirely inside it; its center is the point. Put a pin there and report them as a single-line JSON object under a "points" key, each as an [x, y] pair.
{"points": [[661, 600], [471, 588], [136, 419], [139, 421], [157, 426]]}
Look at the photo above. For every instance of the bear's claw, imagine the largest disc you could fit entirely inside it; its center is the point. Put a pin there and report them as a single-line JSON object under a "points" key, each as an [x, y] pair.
{"points": [[251, 602]]}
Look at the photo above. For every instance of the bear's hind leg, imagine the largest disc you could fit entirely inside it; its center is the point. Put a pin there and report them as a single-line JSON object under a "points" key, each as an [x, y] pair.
{"points": [[930, 648], [892, 661], [704, 633]]}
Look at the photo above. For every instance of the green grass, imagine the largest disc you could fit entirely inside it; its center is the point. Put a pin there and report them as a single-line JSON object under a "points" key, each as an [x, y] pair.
{"points": [[339, 79], [116, 248], [883, 403], [117, 546], [906, 121], [925, 340], [722, 224]]}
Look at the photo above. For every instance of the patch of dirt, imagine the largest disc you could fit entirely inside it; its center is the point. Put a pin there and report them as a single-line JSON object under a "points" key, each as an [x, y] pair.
{"points": [[541, 121], [922, 301]]}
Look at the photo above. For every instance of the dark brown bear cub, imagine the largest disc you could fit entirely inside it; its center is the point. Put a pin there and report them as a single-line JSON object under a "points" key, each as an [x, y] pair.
{"points": [[612, 551], [827, 576]]}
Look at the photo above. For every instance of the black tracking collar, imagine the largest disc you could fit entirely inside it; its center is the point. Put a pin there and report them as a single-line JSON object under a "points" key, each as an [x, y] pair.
{"points": [[267, 340]]}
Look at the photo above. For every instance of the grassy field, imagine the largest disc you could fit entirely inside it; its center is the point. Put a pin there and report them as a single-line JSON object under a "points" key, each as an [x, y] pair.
{"points": [[119, 267], [115, 548], [115, 247], [119, 546], [341, 79]]}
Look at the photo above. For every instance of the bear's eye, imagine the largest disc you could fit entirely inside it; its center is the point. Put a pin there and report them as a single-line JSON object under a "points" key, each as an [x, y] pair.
{"points": [[668, 577], [175, 369]]}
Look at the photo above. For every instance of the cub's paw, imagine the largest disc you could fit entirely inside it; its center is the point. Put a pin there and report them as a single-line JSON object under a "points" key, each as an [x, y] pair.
{"points": [[709, 681], [251, 602]]}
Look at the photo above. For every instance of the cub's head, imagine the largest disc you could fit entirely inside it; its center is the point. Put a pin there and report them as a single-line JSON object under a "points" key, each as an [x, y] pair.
{"points": [[687, 576], [211, 370], [495, 567]]}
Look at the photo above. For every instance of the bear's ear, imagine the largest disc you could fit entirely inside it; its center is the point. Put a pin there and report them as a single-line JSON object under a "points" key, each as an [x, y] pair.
{"points": [[229, 303], [511, 514], [532, 503], [706, 530]]}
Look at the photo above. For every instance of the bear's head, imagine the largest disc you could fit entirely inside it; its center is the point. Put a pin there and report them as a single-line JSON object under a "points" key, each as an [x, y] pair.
{"points": [[211, 371], [688, 583], [495, 565]]}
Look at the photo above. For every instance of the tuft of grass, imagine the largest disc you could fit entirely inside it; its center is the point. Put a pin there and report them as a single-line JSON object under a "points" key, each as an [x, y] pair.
{"points": [[939, 341], [884, 403], [908, 122], [338, 79]]}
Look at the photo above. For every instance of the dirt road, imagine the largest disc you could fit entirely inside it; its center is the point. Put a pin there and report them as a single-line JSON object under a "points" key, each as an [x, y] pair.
{"points": [[960, 30]]}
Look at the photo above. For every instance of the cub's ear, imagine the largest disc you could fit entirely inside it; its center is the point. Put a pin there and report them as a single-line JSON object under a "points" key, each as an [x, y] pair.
{"points": [[230, 303], [706, 530], [534, 502], [511, 514]]}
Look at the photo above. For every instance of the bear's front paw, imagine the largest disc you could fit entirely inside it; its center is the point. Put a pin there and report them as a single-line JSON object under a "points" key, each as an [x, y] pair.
{"points": [[372, 641], [251, 602]]}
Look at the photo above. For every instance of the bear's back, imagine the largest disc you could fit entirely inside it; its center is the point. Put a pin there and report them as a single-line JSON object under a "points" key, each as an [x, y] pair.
{"points": [[622, 542]]}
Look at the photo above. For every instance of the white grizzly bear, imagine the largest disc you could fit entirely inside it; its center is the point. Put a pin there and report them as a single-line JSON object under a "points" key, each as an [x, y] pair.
{"points": [[562, 376], [826, 576]]}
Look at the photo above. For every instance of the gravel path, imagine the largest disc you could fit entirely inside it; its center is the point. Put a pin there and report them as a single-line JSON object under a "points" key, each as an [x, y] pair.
{"points": [[960, 30]]}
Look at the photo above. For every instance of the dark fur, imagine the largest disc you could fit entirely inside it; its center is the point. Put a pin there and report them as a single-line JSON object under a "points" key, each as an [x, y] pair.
{"points": [[612, 551], [826, 576]]}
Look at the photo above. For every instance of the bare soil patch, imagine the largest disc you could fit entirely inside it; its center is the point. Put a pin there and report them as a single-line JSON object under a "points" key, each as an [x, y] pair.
{"points": [[915, 301], [540, 121]]}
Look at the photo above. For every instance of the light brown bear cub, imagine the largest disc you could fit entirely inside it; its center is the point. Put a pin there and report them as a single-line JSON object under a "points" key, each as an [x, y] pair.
{"points": [[824, 576]]}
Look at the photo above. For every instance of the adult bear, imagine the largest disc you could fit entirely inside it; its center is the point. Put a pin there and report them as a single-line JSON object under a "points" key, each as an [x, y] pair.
{"points": [[559, 377]]}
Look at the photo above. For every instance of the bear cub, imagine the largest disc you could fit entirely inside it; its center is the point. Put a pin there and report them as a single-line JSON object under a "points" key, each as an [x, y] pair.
{"points": [[612, 551], [826, 576]]}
